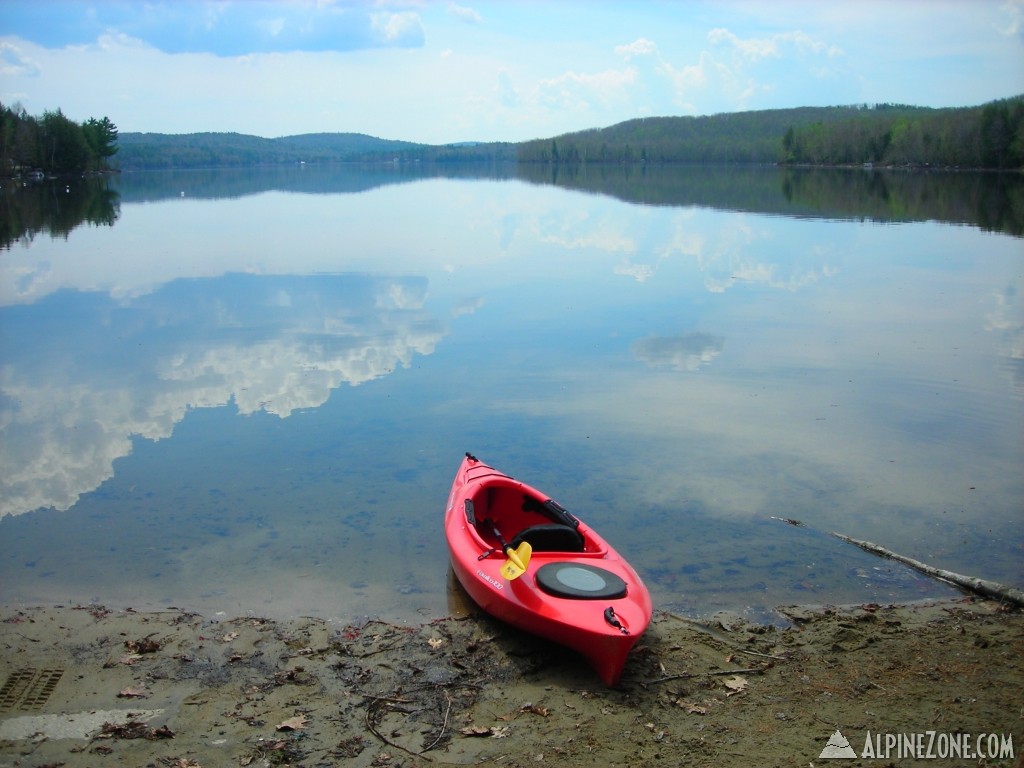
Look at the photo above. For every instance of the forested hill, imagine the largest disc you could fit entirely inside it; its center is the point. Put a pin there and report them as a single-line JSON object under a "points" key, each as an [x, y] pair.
{"points": [[742, 137], [986, 136], [206, 150], [738, 137]]}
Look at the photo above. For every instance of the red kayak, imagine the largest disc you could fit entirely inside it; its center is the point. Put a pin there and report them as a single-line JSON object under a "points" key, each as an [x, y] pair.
{"points": [[525, 560]]}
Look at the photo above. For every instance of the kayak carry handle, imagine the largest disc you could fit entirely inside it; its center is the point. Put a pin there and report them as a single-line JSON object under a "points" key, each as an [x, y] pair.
{"points": [[613, 620]]}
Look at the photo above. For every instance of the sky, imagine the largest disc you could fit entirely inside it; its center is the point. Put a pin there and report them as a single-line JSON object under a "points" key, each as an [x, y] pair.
{"points": [[492, 70]]}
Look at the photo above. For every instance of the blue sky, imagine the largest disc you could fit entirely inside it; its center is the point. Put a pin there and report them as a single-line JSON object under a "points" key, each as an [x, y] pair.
{"points": [[441, 72]]}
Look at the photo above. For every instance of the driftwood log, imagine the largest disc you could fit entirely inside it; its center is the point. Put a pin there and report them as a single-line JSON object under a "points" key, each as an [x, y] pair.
{"points": [[978, 586]]}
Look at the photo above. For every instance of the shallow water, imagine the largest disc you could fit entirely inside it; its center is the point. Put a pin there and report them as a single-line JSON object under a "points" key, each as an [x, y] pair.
{"points": [[249, 392]]}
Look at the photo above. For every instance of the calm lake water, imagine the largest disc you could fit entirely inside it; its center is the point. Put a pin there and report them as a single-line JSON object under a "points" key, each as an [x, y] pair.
{"points": [[249, 391]]}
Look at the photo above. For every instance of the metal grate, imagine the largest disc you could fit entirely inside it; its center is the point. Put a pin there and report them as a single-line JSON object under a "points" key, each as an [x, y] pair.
{"points": [[28, 689]]}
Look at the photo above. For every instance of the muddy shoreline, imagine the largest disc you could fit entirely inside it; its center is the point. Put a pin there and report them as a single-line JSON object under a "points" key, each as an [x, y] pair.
{"points": [[96, 686]]}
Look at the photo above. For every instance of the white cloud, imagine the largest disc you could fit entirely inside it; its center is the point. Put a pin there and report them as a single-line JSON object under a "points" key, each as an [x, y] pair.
{"points": [[709, 83], [755, 48], [688, 352], [508, 95], [467, 306], [639, 272], [14, 62], [752, 48], [273, 27], [576, 90], [1014, 10], [116, 42], [639, 47], [398, 28], [465, 13]]}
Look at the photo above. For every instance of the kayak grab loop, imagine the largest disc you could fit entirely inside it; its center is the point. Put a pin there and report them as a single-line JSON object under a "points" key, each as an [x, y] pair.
{"points": [[611, 618]]}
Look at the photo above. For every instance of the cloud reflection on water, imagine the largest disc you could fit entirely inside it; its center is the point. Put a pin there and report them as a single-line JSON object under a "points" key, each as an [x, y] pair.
{"points": [[74, 400]]}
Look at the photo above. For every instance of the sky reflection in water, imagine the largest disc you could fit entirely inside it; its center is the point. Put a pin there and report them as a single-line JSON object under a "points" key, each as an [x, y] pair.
{"points": [[258, 403]]}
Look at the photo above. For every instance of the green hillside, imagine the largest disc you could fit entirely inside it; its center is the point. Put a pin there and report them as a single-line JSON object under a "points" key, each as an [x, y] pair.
{"points": [[986, 136], [208, 150], [740, 137]]}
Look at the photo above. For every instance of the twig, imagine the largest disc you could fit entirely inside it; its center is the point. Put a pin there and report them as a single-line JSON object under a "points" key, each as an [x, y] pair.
{"points": [[764, 655], [981, 587], [443, 725], [691, 675], [390, 699], [379, 735], [383, 648]]}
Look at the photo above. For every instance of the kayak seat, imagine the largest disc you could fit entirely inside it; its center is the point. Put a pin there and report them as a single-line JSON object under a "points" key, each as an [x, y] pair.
{"points": [[580, 581], [550, 538]]}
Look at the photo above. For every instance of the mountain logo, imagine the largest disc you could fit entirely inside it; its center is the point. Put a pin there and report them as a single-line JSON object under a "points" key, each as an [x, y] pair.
{"points": [[837, 747]]}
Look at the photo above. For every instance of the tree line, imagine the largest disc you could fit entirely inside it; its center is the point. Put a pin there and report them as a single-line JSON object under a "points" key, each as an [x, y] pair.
{"points": [[53, 143], [236, 150], [740, 137], [989, 136]]}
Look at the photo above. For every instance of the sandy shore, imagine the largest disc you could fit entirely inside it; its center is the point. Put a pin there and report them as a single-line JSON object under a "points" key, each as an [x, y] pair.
{"points": [[93, 686]]}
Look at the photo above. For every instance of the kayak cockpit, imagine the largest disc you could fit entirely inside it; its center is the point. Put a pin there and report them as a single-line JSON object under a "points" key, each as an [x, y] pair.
{"points": [[519, 516]]}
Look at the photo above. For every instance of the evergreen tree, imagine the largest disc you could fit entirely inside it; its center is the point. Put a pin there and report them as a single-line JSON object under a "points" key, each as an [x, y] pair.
{"points": [[101, 136]]}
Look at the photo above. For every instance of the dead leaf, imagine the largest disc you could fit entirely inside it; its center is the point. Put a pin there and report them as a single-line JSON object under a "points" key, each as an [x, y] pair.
{"points": [[535, 709], [134, 692], [145, 645], [134, 729], [691, 708], [296, 723], [130, 659], [735, 684], [229, 637], [478, 730], [435, 642]]}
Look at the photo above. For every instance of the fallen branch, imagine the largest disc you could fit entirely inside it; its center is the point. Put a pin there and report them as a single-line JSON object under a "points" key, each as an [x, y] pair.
{"points": [[691, 675], [443, 725], [371, 714], [764, 655], [970, 583]]}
